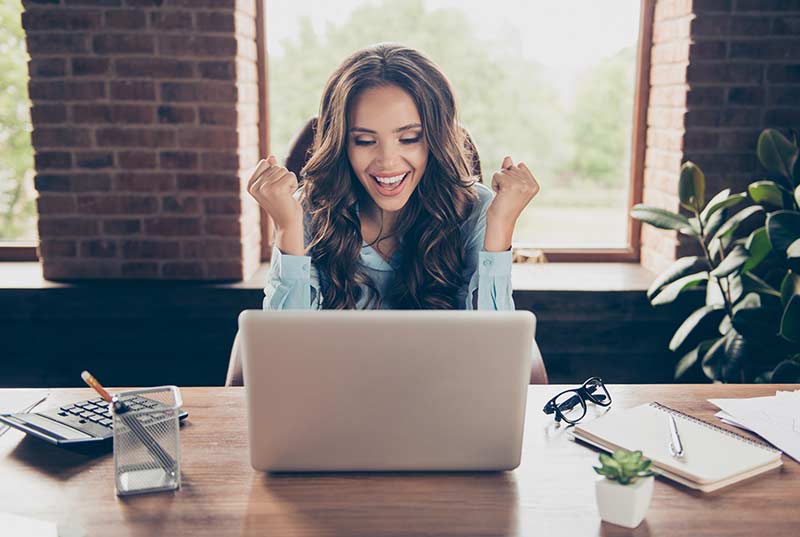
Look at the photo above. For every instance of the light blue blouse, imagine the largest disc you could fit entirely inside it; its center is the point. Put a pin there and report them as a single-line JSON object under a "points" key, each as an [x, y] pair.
{"points": [[293, 281]]}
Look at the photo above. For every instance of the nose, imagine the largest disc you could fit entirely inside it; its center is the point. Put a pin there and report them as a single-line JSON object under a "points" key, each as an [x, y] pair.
{"points": [[387, 156]]}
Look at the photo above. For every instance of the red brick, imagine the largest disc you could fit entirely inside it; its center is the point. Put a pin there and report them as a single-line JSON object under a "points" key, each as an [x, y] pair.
{"points": [[218, 116], [122, 205], [53, 159], [150, 249], [740, 117], [180, 205], [705, 96], [215, 21], [199, 91], [54, 43], [786, 26], [208, 138], [173, 226], [154, 68], [784, 95], [48, 113], [94, 160], [123, 44], [223, 205], [768, 49], [66, 90], [701, 118], [52, 183], [55, 204], [713, 163], [168, 114], [140, 270], [133, 90], [717, 72], [114, 113], [63, 270], [194, 45], [211, 249], [703, 6], [171, 20], [125, 19], [144, 182], [136, 160], [219, 161], [745, 96], [43, 137], [180, 160], [211, 4], [122, 227], [135, 137], [767, 5], [750, 26], [218, 70], [738, 141], [182, 270], [228, 270], [711, 25], [98, 248], [783, 73], [697, 140], [228, 227], [58, 248], [782, 117], [708, 50], [89, 66], [47, 67], [90, 182], [66, 227], [209, 182], [52, 19]]}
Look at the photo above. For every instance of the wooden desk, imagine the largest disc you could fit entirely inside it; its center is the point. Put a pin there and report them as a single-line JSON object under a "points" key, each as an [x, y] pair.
{"points": [[551, 493]]}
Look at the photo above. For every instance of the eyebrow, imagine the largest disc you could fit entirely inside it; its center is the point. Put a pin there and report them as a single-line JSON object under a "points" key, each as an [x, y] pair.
{"points": [[401, 129]]}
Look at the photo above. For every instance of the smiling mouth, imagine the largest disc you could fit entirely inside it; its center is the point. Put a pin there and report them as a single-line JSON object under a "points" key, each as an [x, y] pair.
{"points": [[387, 185]]}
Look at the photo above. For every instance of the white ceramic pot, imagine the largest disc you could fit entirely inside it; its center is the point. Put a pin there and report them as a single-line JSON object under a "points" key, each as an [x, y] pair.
{"points": [[624, 505]]}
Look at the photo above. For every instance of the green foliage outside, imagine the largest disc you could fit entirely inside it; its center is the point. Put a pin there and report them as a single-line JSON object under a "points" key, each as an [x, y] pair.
{"points": [[510, 105], [17, 207]]}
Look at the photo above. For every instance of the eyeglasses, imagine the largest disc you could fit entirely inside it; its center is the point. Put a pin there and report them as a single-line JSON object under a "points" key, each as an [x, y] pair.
{"points": [[570, 405]]}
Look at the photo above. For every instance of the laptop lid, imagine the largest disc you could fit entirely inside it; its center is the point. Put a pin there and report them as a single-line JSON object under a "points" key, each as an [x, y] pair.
{"points": [[362, 390]]}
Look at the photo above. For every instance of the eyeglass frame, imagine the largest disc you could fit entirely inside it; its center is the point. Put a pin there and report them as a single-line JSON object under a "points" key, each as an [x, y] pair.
{"points": [[583, 394]]}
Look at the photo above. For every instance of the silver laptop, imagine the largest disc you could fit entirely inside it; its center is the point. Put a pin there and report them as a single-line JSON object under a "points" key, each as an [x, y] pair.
{"points": [[386, 390]]}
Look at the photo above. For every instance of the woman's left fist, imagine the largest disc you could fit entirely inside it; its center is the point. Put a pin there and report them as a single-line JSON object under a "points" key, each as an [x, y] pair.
{"points": [[515, 187]]}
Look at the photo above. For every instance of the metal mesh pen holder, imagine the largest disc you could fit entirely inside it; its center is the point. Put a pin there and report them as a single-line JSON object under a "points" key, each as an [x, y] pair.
{"points": [[147, 451]]}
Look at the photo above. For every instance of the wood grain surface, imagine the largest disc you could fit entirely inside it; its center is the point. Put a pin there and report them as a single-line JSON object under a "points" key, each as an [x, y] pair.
{"points": [[551, 493]]}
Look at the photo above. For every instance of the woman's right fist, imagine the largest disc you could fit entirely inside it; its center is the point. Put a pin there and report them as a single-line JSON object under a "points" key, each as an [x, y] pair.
{"points": [[273, 187]]}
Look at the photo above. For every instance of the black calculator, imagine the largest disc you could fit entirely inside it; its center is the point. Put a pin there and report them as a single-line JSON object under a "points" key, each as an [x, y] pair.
{"points": [[79, 423]]}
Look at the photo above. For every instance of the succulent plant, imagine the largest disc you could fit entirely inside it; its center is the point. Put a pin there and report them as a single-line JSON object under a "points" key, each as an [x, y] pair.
{"points": [[624, 466]]}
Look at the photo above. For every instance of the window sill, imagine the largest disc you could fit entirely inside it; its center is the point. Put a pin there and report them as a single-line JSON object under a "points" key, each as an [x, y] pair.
{"points": [[586, 277]]}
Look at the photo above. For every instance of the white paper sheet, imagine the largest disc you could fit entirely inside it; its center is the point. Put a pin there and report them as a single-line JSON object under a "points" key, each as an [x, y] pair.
{"points": [[29, 527], [776, 418]]}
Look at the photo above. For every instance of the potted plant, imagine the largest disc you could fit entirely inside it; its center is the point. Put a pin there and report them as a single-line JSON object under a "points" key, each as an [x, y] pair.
{"points": [[626, 488], [749, 267]]}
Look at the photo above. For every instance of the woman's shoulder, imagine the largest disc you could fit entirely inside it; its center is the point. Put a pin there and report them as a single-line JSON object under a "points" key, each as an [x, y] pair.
{"points": [[485, 195]]}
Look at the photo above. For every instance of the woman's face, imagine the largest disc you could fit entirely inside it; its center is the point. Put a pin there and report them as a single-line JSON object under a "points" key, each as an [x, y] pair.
{"points": [[385, 145]]}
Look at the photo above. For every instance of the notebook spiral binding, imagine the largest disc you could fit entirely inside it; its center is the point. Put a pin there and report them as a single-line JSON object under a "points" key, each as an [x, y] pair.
{"points": [[665, 408]]}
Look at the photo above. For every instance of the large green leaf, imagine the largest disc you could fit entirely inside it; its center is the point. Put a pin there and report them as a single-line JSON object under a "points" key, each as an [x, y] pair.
{"points": [[691, 322], [735, 259], [661, 218], [759, 248], [678, 269], [790, 322], [783, 228], [756, 322], [670, 292], [786, 372], [692, 187], [714, 358], [690, 358], [776, 153], [721, 202], [752, 283], [790, 286], [766, 193], [733, 222]]}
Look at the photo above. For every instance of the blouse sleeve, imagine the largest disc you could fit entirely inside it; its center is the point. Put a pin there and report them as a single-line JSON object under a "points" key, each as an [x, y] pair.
{"points": [[488, 273], [293, 283]]}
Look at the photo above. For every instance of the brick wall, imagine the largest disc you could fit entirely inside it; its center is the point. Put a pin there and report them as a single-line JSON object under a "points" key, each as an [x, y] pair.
{"points": [[145, 120], [722, 70]]}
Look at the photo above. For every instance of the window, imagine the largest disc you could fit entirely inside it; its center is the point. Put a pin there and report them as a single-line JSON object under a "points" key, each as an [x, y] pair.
{"points": [[17, 196], [550, 83]]}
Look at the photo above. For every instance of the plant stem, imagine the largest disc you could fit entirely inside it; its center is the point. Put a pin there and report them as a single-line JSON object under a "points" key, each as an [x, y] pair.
{"points": [[710, 261]]}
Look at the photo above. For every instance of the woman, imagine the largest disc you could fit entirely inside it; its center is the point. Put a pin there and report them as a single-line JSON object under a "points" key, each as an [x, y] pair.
{"points": [[388, 214]]}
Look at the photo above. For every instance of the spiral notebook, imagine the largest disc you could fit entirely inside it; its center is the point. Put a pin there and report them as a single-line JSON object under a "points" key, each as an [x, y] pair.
{"points": [[714, 457]]}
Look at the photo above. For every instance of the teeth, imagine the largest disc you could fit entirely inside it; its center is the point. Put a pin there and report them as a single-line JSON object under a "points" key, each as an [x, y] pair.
{"points": [[390, 180]]}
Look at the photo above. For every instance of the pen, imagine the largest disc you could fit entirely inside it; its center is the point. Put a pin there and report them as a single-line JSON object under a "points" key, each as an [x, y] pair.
{"points": [[120, 408], [675, 445]]}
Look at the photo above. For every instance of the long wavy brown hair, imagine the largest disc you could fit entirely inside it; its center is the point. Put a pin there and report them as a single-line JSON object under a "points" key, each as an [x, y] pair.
{"points": [[429, 225]]}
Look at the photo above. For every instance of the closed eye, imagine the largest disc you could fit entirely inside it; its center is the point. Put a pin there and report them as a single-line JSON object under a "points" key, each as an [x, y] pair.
{"points": [[406, 141]]}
